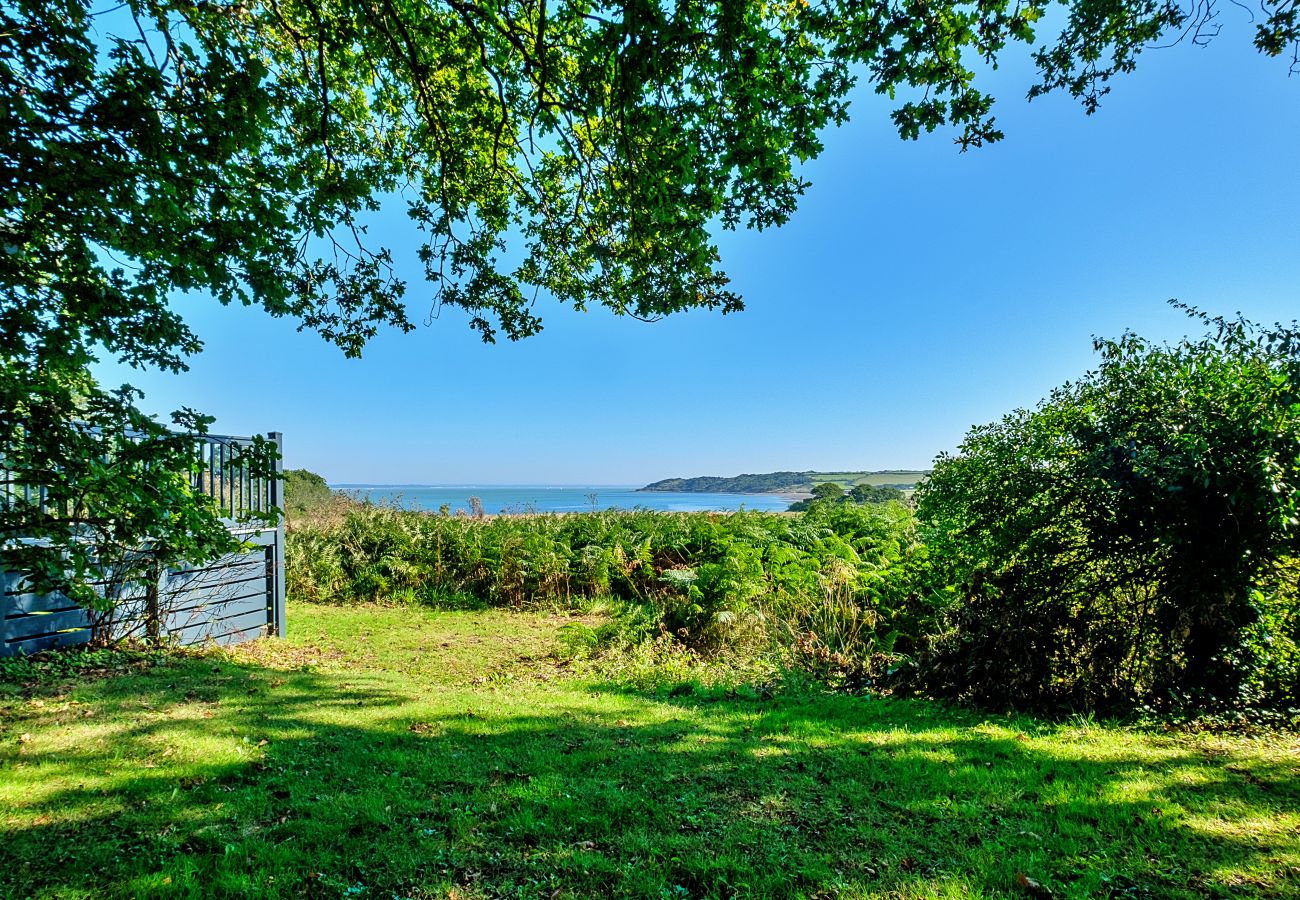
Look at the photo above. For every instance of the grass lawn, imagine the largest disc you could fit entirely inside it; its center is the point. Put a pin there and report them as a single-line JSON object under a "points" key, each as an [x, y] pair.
{"points": [[386, 753]]}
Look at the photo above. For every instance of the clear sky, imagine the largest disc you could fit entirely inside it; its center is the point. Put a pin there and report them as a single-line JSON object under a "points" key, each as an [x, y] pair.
{"points": [[917, 291]]}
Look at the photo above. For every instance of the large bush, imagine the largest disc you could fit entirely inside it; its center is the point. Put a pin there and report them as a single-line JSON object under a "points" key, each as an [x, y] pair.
{"points": [[1127, 541]]}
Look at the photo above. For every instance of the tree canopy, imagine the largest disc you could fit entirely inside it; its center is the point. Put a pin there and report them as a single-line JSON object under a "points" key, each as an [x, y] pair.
{"points": [[827, 490], [584, 151]]}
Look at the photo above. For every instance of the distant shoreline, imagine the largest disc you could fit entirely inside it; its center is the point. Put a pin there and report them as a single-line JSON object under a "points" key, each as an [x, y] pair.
{"points": [[792, 485]]}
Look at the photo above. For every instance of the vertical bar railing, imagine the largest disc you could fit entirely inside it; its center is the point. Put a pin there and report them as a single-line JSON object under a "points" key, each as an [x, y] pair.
{"points": [[236, 489]]}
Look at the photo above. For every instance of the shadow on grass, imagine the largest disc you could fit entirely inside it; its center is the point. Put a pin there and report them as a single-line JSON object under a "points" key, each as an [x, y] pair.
{"points": [[304, 784]]}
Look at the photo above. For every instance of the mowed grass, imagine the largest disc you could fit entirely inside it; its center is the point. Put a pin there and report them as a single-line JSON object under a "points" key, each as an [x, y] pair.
{"points": [[386, 753]]}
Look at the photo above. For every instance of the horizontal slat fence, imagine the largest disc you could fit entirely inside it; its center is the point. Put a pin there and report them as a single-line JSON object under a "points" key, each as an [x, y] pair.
{"points": [[225, 601]]}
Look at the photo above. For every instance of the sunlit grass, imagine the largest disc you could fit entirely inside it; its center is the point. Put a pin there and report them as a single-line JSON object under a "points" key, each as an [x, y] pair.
{"points": [[407, 753]]}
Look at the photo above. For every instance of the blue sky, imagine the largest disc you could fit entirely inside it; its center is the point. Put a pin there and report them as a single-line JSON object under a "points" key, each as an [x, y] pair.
{"points": [[917, 291]]}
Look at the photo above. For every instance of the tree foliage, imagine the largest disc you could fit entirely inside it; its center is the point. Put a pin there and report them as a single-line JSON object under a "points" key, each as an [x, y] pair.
{"points": [[828, 491], [875, 493], [831, 492], [580, 149], [1118, 543], [585, 151]]}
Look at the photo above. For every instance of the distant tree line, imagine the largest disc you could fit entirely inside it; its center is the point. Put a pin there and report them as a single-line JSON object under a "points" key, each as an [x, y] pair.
{"points": [[831, 492]]}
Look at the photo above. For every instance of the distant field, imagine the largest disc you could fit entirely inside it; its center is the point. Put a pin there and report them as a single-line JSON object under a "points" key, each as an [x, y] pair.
{"points": [[892, 478]]}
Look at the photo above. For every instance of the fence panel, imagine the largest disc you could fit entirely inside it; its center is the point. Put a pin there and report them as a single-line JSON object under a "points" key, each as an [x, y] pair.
{"points": [[236, 598]]}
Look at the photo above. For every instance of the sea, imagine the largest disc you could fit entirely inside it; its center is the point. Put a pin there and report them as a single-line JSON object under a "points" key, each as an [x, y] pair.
{"points": [[537, 498]]}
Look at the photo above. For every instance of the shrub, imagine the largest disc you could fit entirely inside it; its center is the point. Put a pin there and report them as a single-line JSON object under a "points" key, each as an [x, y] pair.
{"points": [[314, 569], [1270, 646], [304, 492], [1123, 543]]}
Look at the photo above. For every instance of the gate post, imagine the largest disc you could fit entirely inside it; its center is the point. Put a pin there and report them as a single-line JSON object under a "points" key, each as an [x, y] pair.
{"points": [[277, 500], [4, 613]]}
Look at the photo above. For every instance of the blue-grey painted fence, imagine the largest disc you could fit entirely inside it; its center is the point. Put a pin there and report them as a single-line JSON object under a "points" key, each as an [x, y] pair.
{"points": [[225, 601]]}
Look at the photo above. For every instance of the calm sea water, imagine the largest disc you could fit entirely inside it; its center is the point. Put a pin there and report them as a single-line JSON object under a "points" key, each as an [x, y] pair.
{"points": [[526, 498]]}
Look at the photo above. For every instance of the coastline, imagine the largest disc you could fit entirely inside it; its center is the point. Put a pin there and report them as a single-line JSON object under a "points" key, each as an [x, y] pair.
{"points": [[789, 485]]}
